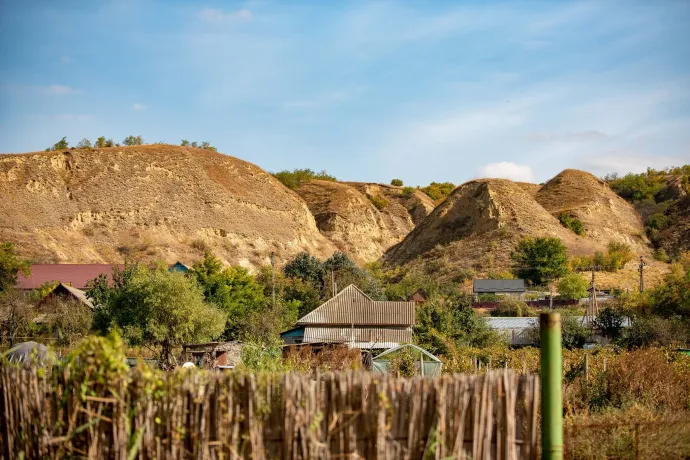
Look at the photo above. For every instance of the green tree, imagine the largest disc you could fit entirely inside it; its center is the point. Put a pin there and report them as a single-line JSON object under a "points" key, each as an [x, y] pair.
{"points": [[437, 191], [162, 310], [62, 144], [11, 265], [184, 143], [133, 140], [102, 142], [672, 297], [346, 272], [397, 182], [16, 314], [232, 289], [609, 322], [540, 260], [84, 144], [305, 267], [572, 287], [574, 334]]}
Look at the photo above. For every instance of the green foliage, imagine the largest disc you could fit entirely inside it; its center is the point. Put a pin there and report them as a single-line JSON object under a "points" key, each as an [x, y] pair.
{"points": [[500, 275], [572, 287], [133, 140], [346, 272], [162, 310], [258, 357], [609, 322], [102, 142], [397, 182], [378, 201], [571, 223], [540, 260], [295, 178], [96, 362], [16, 314], [203, 145], [513, 307], [615, 258], [232, 289], [438, 191], [637, 187], [11, 265], [407, 192], [574, 334], [650, 331], [84, 144], [443, 324], [305, 267], [62, 144], [672, 297], [403, 363]]}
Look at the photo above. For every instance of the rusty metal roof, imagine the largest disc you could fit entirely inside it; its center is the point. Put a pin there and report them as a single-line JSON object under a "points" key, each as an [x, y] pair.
{"points": [[352, 306], [361, 337]]}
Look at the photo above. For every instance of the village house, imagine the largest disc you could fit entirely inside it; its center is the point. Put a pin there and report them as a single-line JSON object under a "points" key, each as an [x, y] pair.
{"points": [[353, 318], [498, 287]]}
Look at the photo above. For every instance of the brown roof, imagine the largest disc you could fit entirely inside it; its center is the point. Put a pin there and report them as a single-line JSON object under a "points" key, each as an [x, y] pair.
{"points": [[75, 275], [352, 306]]}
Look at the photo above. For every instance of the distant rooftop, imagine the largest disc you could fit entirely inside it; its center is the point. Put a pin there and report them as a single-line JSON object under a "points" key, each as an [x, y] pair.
{"points": [[486, 286]]}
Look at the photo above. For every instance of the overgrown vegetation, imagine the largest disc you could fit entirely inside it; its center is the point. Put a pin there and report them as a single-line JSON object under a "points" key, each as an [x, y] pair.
{"points": [[397, 183], [540, 260], [655, 194], [615, 258], [438, 190], [205, 145], [572, 223], [378, 201], [295, 178]]}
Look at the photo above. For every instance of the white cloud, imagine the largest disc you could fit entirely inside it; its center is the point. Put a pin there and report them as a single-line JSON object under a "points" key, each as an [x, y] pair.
{"points": [[218, 15], [138, 106], [60, 90], [507, 170]]}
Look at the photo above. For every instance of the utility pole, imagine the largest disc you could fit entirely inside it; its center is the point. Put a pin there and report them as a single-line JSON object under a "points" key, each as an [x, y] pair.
{"points": [[273, 277], [332, 282], [641, 270], [551, 298], [593, 307]]}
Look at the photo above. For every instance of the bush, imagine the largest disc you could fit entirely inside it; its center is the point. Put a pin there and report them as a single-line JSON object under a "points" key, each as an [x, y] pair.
{"points": [[572, 287], [573, 333], [204, 145], [378, 201], [295, 178], [397, 182], [133, 140], [571, 223], [514, 307], [609, 322], [647, 331], [407, 192], [438, 191], [615, 258], [102, 142], [84, 144]]}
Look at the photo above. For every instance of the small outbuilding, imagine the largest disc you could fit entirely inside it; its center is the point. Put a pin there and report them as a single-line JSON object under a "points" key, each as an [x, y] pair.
{"points": [[224, 355]]}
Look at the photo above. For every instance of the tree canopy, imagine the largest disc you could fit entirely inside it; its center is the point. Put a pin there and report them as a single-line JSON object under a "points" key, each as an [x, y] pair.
{"points": [[540, 260], [11, 265]]}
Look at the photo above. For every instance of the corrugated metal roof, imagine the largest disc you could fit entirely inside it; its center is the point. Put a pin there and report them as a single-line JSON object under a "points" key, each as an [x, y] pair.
{"points": [[79, 294], [499, 286], [362, 337], [352, 306], [503, 322]]}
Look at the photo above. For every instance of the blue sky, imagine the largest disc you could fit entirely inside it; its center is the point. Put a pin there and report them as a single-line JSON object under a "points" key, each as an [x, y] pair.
{"points": [[422, 91]]}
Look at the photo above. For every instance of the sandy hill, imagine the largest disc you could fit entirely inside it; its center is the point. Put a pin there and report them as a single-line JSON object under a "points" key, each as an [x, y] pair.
{"points": [[480, 223], [345, 213], [604, 215], [150, 202]]}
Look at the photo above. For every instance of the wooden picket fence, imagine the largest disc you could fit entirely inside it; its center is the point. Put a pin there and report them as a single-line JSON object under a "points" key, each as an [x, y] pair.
{"points": [[230, 415]]}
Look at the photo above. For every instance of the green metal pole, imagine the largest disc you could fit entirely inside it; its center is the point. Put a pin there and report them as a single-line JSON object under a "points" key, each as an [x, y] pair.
{"points": [[551, 392]]}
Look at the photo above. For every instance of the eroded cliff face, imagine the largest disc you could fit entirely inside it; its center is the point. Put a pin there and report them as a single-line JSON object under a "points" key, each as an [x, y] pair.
{"points": [[482, 221], [604, 215], [346, 214], [150, 202]]}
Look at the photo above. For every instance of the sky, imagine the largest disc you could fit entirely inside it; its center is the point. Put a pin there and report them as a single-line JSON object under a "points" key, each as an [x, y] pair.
{"points": [[368, 91]]}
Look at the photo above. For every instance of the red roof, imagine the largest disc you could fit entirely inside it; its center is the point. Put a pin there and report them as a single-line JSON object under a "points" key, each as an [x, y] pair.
{"points": [[75, 275]]}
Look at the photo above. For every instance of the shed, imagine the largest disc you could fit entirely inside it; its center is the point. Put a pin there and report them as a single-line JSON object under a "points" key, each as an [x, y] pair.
{"points": [[65, 292], [514, 329], [213, 354], [426, 364]]}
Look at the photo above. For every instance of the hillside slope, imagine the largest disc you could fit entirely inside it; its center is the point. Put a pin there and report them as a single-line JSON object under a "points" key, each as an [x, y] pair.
{"points": [[346, 215], [480, 223], [150, 202], [604, 215]]}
